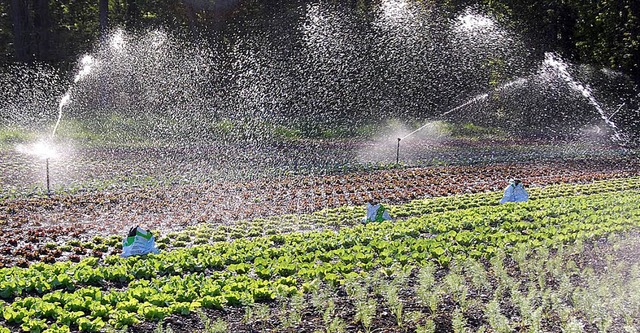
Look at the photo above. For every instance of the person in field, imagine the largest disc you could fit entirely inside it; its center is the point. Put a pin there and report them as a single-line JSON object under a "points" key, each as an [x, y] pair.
{"points": [[515, 192], [375, 212]]}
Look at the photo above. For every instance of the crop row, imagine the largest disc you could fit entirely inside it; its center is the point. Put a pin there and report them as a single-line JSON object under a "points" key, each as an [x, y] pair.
{"points": [[584, 287], [297, 194], [87, 295], [208, 233]]}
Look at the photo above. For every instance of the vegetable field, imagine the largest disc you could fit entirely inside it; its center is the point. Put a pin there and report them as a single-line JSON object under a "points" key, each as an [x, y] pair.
{"points": [[452, 260]]}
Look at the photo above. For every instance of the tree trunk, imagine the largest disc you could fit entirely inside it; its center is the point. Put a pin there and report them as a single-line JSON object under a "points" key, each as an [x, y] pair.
{"points": [[104, 17], [132, 14], [42, 29], [192, 16], [20, 13]]}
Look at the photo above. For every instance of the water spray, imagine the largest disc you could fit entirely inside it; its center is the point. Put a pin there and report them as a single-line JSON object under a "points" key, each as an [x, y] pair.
{"points": [[619, 108], [473, 100], [47, 152], [561, 68], [64, 101], [42, 150]]}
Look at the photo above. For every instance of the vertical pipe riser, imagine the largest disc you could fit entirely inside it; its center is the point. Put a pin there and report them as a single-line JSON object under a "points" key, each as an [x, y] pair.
{"points": [[48, 188], [398, 152]]}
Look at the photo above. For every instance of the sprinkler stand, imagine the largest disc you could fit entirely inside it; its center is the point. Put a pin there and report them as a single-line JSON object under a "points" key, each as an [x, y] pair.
{"points": [[398, 152], [48, 188]]}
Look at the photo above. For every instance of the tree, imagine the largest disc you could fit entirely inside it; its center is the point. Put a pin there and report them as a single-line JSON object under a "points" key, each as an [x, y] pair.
{"points": [[104, 17], [133, 14], [609, 34], [42, 25], [20, 19]]}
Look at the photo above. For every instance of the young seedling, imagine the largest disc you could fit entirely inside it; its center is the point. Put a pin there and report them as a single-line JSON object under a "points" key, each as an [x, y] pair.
{"points": [[629, 326], [498, 322], [293, 311], [476, 270], [455, 285], [257, 313], [365, 312], [319, 299], [333, 323], [394, 302], [428, 327], [573, 325], [218, 326], [458, 322], [160, 329], [427, 291], [535, 324]]}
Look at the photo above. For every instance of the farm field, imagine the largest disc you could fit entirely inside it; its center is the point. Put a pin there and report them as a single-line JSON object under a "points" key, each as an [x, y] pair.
{"points": [[288, 253]]}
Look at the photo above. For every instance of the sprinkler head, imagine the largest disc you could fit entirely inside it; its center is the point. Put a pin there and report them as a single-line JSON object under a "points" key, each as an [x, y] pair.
{"points": [[399, 139]]}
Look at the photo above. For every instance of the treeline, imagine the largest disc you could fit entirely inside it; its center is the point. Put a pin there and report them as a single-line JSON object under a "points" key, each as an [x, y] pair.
{"points": [[56, 32], [599, 32]]}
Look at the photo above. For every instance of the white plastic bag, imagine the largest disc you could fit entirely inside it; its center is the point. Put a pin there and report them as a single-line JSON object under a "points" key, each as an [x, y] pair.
{"points": [[376, 213], [515, 192], [138, 242]]}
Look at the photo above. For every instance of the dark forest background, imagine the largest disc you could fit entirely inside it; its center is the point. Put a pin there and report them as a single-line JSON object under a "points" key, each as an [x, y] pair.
{"points": [[259, 72], [604, 33]]}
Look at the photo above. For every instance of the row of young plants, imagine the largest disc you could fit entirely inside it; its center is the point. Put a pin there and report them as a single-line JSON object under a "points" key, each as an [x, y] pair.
{"points": [[331, 218], [583, 287], [22, 249], [300, 193], [525, 290], [349, 216], [80, 215], [89, 295]]}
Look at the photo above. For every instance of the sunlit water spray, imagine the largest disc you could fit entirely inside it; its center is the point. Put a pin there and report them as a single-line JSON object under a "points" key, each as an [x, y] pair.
{"points": [[88, 64], [616, 111], [560, 67], [336, 64], [63, 102], [45, 148], [476, 99]]}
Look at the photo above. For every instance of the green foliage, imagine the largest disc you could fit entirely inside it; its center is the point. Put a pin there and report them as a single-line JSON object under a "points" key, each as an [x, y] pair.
{"points": [[218, 326], [602, 32], [610, 39], [34, 325], [286, 133], [122, 319], [264, 269], [79, 131], [13, 135], [498, 322], [428, 327]]}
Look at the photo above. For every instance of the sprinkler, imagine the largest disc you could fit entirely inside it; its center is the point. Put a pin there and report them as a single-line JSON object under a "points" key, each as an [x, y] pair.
{"points": [[44, 151], [48, 188], [398, 152]]}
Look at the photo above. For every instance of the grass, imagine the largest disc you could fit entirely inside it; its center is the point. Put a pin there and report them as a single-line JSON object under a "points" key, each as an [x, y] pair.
{"points": [[124, 130], [10, 136]]}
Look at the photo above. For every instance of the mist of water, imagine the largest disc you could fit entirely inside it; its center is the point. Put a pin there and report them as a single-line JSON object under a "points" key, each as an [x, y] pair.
{"points": [[560, 67], [327, 70], [476, 99]]}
